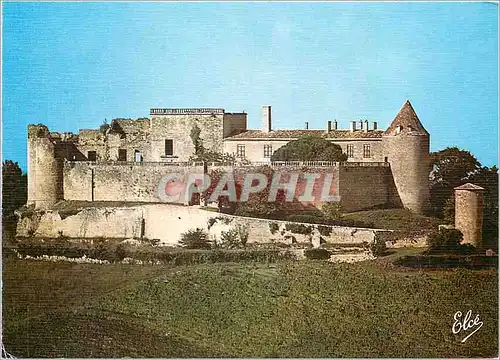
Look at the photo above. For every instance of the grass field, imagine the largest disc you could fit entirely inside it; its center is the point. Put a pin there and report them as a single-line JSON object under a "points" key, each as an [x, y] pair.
{"points": [[288, 309]]}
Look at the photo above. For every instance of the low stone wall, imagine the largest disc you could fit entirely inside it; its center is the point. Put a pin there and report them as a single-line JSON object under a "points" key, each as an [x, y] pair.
{"points": [[167, 223]]}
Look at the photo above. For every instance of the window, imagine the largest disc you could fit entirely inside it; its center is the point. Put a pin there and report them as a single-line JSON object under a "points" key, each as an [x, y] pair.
{"points": [[122, 155], [240, 151], [350, 151], [268, 151], [366, 151], [137, 156], [169, 147], [92, 155]]}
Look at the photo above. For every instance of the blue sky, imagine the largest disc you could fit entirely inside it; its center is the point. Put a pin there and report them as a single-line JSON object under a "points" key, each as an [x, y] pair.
{"points": [[72, 65]]}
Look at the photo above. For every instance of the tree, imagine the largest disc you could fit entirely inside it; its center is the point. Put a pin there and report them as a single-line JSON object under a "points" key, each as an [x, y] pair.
{"points": [[14, 190], [202, 154], [309, 148], [14, 193], [451, 167]]}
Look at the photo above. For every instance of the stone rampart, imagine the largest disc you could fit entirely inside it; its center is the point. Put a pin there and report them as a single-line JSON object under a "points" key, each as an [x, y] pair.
{"points": [[168, 222], [360, 186]]}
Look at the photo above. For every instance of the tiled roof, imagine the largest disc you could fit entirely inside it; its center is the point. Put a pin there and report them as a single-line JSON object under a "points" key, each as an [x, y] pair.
{"points": [[407, 121], [292, 134], [469, 186]]}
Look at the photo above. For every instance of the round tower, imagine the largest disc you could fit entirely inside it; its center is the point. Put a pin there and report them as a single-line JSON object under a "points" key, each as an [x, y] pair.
{"points": [[43, 168], [406, 148], [469, 206]]}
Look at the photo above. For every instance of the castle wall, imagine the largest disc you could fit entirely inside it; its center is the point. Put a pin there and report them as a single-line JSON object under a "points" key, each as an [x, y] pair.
{"points": [[364, 187], [178, 128], [130, 135], [168, 222], [136, 182], [92, 140], [360, 187]]}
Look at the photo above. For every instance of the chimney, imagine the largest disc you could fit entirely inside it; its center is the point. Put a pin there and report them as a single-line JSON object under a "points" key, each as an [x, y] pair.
{"points": [[266, 118], [361, 124], [329, 127], [352, 126], [374, 125], [366, 125], [307, 125], [335, 125]]}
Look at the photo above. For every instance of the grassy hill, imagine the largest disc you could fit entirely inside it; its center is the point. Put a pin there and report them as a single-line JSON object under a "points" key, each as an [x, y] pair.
{"points": [[395, 219], [288, 309]]}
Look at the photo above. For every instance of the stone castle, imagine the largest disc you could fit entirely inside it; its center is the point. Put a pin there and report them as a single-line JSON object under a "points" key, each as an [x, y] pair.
{"points": [[125, 161]]}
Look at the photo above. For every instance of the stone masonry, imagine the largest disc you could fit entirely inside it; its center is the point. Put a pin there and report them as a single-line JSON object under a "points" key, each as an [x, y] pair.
{"points": [[124, 160]]}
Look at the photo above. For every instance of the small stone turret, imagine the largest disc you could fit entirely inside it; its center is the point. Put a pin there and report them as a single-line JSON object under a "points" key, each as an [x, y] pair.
{"points": [[44, 170], [469, 204], [406, 148]]}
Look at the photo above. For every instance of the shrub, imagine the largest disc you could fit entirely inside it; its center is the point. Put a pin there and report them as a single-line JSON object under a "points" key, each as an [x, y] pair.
{"points": [[324, 230], [121, 252], [195, 239], [299, 228], [274, 227], [378, 247], [230, 239], [317, 254], [242, 233], [235, 237], [103, 251], [446, 240]]}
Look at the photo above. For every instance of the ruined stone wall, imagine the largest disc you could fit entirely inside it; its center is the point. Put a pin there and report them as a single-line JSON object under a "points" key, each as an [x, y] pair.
{"points": [[93, 140], [168, 222], [130, 135], [178, 128]]}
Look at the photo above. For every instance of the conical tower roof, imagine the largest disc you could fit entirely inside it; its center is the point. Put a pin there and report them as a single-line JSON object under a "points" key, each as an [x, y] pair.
{"points": [[406, 122], [469, 186]]}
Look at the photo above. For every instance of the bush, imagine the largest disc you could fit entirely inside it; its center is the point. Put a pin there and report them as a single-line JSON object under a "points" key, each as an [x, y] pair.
{"points": [[445, 241], [378, 247], [230, 239], [299, 228], [317, 254], [243, 234], [235, 237], [195, 239], [324, 230], [274, 227]]}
